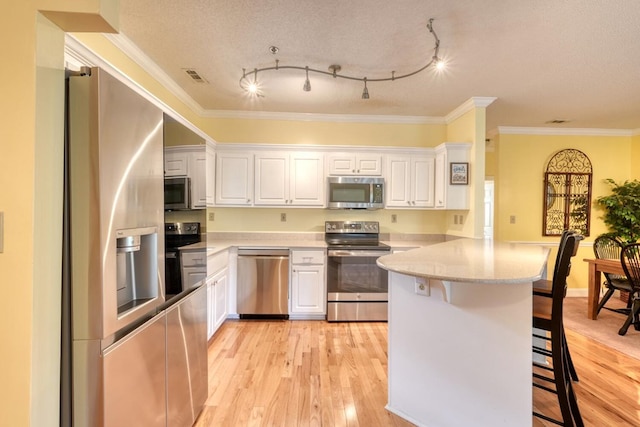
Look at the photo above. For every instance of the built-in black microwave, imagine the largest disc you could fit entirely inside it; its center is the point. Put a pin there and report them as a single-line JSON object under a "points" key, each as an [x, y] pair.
{"points": [[355, 192], [177, 193]]}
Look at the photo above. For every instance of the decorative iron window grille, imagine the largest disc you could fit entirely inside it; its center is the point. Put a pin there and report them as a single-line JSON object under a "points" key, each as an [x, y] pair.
{"points": [[567, 193]]}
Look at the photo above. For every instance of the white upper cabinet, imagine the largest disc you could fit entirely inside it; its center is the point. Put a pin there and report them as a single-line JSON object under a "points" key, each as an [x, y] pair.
{"points": [[410, 181], [447, 195], [198, 161], [210, 174], [355, 164], [289, 179], [192, 161], [176, 163], [234, 178]]}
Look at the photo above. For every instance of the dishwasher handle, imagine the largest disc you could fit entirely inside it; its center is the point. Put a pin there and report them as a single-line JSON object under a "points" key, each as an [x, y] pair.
{"points": [[269, 253]]}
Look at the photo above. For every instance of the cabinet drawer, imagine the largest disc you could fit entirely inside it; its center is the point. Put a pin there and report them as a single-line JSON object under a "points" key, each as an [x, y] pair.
{"points": [[190, 259], [307, 257], [217, 262]]}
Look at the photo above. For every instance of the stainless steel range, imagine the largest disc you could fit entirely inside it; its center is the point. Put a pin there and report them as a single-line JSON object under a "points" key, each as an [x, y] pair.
{"points": [[357, 289]]}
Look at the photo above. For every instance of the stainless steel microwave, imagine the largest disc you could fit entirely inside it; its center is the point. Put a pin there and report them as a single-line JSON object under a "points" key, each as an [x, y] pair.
{"points": [[177, 193], [354, 192]]}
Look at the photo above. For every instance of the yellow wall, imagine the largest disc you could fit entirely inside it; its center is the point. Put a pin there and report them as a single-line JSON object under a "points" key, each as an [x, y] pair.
{"points": [[470, 127], [312, 220], [522, 161], [635, 157], [31, 175], [324, 133]]}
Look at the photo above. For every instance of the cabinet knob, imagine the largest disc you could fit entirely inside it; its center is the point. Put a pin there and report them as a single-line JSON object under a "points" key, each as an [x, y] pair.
{"points": [[248, 200], [408, 202]]}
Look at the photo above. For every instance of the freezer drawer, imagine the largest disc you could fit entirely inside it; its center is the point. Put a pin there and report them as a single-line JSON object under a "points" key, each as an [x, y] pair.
{"points": [[134, 378], [187, 359]]}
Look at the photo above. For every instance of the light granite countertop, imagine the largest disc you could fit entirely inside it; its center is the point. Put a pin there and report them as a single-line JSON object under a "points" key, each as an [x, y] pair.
{"points": [[218, 242], [471, 260]]}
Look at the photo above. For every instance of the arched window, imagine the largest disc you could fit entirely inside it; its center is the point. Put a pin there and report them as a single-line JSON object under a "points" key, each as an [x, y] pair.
{"points": [[567, 193]]}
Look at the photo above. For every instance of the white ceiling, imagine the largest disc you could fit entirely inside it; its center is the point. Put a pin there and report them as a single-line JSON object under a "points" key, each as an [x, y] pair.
{"points": [[577, 60]]}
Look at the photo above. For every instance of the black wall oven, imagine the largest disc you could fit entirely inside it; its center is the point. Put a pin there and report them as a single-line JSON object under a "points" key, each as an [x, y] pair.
{"points": [[357, 289]]}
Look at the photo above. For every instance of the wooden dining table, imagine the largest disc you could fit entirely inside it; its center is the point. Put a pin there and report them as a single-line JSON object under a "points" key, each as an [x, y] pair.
{"points": [[597, 266]]}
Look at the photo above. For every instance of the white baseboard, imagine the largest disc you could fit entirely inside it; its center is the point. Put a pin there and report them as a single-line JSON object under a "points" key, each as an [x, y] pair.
{"points": [[577, 292]]}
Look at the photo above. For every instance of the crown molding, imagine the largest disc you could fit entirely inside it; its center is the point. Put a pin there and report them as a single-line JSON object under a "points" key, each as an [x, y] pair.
{"points": [[319, 117], [123, 43], [77, 54], [470, 104], [139, 57], [509, 130]]}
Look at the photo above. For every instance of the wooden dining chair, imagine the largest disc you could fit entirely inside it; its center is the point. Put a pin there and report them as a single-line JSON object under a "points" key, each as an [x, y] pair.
{"points": [[608, 247], [543, 287], [630, 259], [555, 377]]}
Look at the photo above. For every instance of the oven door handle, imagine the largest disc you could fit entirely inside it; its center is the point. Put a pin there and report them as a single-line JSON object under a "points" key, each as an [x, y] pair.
{"points": [[365, 253]]}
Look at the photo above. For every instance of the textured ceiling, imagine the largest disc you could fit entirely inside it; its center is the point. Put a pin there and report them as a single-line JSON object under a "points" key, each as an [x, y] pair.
{"points": [[577, 60]]}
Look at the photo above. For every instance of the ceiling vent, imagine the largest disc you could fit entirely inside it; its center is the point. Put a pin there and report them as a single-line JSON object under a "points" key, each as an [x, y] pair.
{"points": [[197, 78]]}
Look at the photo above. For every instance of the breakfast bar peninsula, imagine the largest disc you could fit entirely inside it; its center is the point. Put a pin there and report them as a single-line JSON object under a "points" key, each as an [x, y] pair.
{"points": [[460, 332]]}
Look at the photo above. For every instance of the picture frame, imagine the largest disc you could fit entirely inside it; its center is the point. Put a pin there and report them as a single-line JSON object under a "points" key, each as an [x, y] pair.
{"points": [[459, 173]]}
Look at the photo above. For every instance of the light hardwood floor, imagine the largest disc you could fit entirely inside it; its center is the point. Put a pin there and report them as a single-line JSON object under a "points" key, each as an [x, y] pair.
{"points": [[314, 373]]}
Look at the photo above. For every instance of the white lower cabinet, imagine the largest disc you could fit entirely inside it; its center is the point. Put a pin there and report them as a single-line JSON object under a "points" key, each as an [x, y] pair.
{"points": [[308, 284], [217, 291]]}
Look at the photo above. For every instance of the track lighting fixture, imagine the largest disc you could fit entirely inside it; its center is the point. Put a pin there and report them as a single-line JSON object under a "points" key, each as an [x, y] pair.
{"points": [[252, 87]]}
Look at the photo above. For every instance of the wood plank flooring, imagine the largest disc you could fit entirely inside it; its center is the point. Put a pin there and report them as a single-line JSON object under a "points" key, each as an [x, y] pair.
{"points": [[314, 373]]}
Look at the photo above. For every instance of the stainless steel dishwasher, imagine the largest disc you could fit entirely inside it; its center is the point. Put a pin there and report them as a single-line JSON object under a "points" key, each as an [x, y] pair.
{"points": [[263, 283]]}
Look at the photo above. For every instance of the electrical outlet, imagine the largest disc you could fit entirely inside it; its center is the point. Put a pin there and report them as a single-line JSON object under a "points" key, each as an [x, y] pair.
{"points": [[212, 216], [394, 218], [512, 219], [422, 288], [283, 217]]}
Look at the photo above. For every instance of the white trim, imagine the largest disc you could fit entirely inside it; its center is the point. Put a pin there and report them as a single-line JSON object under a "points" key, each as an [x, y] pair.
{"points": [[77, 53], [470, 104], [319, 117], [509, 130], [256, 146], [139, 57], [577, 292]]}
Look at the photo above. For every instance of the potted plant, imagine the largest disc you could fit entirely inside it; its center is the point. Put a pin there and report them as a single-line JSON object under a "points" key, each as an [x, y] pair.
{"points": [[622, 210], [622, 214]]}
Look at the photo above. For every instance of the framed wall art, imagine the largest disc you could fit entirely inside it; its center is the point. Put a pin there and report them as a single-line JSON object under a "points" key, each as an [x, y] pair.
{"points": [[459, 173]]}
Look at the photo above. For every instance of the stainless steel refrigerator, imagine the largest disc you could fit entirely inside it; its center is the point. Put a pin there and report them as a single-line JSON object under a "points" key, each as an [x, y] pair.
{"points": [[115, 257]]}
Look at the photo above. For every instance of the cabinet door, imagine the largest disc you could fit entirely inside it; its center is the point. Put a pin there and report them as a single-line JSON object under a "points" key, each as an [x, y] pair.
{"points": [[307, 289], [210, 175], [234, 179], [342, 164], [198, 180], [220, 287], [211, 308], [272, 179], [176, 163], [440, 180], [368, 164], [398, 185], [307, 183], [422, 185]]}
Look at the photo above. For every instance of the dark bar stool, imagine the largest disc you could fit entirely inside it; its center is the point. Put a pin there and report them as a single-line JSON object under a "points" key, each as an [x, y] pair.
{"points": [[547, 316]]}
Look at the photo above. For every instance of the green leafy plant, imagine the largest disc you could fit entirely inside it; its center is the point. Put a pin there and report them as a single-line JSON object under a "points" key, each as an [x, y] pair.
{"points": [[622, 210]]}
